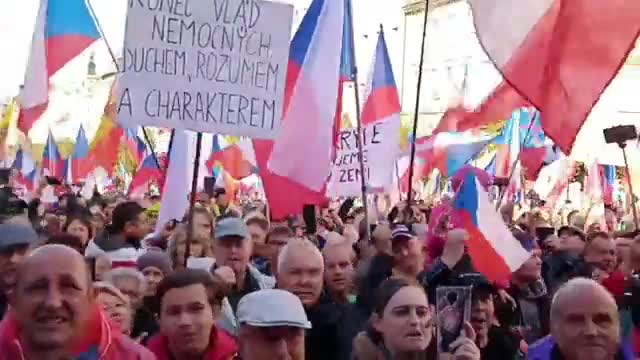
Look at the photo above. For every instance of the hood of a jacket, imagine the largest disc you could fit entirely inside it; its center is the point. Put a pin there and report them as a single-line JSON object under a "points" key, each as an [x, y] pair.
{"points": [[225, 347]]}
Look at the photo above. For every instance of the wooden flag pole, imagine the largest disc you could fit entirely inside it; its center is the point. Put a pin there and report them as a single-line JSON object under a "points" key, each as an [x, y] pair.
{"points": [[192, 198], [417, 108]]}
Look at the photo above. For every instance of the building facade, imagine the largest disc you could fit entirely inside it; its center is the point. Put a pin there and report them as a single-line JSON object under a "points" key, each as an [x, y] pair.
{"points": [[455, 69]]}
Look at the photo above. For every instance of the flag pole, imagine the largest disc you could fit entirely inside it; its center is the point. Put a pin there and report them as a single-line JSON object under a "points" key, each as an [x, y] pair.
{"points": [[115, 63], [359, 138], [192, 198], [515, 162], [417, 108]]}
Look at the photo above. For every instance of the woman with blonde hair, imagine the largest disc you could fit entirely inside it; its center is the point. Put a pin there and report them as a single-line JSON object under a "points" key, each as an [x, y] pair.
{"points": [[200, 247], [115, 304]]}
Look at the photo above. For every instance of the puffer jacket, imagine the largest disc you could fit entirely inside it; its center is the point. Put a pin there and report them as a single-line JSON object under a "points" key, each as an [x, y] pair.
{"points": [[545, 348], [101, 342], [228, 321]]}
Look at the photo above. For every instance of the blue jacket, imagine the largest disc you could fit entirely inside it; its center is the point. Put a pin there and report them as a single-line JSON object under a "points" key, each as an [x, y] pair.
{"points": [[543, 349]]}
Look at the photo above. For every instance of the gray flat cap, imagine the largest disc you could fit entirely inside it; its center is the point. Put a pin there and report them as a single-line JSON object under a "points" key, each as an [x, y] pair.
{"points": [[16, 234], [270, 308]]}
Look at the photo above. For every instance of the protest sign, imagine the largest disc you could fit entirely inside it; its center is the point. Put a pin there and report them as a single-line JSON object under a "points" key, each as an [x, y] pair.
{"points": [[216, 66], [380, 151]]}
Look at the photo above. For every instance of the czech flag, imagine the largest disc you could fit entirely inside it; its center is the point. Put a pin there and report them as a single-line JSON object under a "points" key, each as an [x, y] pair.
{"points": [[449, 152], [294, 167], [52, 162], [147, 172], [64, 28], [608, 183], [67, 177], [136, 146], [559, 56], [382, 102], [237, 159], [81, 163], [27, 171], [493, 249], [303, 150], [508, 144]]}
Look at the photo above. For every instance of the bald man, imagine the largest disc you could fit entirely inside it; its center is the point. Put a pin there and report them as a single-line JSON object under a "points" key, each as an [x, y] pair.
{"points": [[585, 325], [54, 316], [339, 271], [301, 271]]}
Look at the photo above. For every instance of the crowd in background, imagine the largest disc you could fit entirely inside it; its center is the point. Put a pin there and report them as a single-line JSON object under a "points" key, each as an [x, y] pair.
{"points": [[93, 280]]}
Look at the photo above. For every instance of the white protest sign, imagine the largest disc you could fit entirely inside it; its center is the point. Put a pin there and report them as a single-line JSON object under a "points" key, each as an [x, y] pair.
{"points": [[380, 151], [216, 66]]}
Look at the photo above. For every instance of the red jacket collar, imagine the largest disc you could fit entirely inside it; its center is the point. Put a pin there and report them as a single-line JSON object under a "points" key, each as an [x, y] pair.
{"points": [[224, 348], [98, 333]]}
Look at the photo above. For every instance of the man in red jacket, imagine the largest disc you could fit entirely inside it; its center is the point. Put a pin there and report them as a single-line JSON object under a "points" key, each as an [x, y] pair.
{"points": [[190, 301], [53, 314]]}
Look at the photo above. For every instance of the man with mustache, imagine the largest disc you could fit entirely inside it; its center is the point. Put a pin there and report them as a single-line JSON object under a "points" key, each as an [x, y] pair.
{"points": [[15, 242], [54, 314]]}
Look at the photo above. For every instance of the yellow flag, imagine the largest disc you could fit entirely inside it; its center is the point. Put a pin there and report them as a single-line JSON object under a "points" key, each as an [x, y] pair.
{"points": [[9, 114], [346, 122], [404, 137]]}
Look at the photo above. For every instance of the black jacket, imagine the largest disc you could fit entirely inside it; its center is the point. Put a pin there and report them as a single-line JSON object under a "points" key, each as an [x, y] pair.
{"points": [[441, 275], [145, 321], [112, 242], [502, 345], [327, 338], [515, 319], [4, 305]]}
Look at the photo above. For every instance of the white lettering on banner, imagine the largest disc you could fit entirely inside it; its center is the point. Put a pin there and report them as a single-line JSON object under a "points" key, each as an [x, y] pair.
{"points": [[215, 66], [379, 153]]}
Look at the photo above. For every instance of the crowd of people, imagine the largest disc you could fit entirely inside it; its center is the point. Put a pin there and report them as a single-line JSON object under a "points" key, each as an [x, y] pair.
{"points": [[93, 280]]}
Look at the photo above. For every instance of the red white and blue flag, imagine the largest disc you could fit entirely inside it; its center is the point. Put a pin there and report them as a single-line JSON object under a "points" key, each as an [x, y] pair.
{"points": [[28, 174], [382, 100], [493, 249], [237, 159], [303, 150], [52, 162], [545, 54], [64, 28], [81, 165], [147, 173], [134, 145], [295, 167], [608, 183]]}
